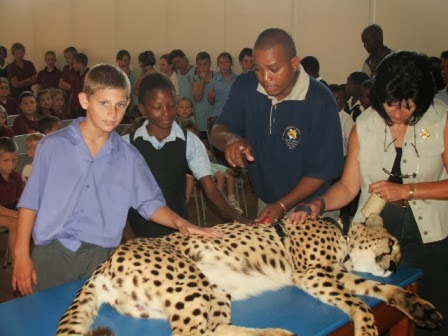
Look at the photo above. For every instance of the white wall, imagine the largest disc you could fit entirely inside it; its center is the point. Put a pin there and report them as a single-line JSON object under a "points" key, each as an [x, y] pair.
{"points": [[327, 29]]}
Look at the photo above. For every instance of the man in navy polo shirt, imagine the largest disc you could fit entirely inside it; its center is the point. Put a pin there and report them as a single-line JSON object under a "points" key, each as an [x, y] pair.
{"points": [[283, 125]]}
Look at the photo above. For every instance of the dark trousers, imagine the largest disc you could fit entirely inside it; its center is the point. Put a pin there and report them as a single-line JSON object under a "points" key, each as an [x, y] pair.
{"points": [[431, 258]]}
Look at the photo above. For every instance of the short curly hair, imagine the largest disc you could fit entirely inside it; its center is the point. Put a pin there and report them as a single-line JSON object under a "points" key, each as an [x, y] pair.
{"points": [[401, 76]]}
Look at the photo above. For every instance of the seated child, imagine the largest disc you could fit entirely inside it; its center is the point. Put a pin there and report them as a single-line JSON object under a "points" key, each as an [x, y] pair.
{"points": [[365, 94], [58, 106], [21, 72], [26, 122], [184, 111], [48, 124], [224, 176], [49, 76], [8, 102], [31, 142], [4, 129], [44, 103], [11, 187]]}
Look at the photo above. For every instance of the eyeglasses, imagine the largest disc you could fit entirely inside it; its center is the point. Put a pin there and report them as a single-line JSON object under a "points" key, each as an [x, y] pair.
{"points": [[400, 105], [414, 146]]}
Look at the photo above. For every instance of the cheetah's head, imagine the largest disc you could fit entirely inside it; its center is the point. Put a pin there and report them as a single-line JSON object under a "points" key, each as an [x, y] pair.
{"points": [[372, 249]]}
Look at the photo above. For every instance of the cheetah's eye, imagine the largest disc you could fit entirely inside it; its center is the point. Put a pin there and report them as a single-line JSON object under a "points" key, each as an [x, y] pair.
{"points": [[391, 243]]}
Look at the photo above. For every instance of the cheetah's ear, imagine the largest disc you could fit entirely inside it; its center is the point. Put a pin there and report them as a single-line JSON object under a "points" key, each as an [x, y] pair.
{"points": [[374, 220]]}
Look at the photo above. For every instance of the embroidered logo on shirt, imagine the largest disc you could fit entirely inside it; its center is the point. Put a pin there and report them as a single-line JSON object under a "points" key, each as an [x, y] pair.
{"points": [[292, 137], [425, 133]]}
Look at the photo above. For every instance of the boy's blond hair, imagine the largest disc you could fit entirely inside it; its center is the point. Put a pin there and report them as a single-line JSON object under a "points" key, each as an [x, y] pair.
{"points": [[3, 111], [54, 92], [32, 139], [106, 76]]}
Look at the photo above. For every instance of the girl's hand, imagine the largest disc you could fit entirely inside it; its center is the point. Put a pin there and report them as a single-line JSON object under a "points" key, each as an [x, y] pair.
{"points": [[187, 229]]}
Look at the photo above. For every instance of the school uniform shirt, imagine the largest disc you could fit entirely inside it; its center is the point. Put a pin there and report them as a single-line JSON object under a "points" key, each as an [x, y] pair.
{"points": [[10, 190], [184, 83], [11, 106], [354, 109], [202, 109], [6, 132], [79, 198], [297, 137], [222, 91], [4, 70], [24, 125], [196, 154], [49, 79], [26, 71]]}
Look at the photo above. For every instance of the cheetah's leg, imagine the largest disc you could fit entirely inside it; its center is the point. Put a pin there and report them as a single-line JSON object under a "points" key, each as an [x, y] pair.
{"points": [[219, 320], [420, 311], [84, 309], [188, 313], [326, 288]]}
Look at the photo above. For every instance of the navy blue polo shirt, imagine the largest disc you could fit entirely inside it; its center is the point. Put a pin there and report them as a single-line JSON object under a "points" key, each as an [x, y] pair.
{"points": [[297, 137]]}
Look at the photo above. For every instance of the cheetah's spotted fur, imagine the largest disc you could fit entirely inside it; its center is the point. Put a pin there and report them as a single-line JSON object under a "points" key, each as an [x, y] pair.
{"points": [[191, 281]]}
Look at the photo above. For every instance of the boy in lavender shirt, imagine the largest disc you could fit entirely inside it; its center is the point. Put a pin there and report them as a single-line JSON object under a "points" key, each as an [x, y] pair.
{"points": [[84, 180]]}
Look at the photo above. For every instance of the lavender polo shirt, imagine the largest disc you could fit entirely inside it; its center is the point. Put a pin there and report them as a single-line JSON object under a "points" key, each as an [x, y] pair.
{"points": [[80, 198]]}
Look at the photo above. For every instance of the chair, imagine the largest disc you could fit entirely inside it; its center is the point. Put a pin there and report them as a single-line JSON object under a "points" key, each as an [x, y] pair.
{"points": [[200, 210], [10, 119], [22, 161], [66, 122], [20, 142], [7, 261], [240, 176], [120, 129]]}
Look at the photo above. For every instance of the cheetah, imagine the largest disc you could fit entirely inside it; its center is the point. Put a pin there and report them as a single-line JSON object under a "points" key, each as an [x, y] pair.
{"points": [[191, 281]]}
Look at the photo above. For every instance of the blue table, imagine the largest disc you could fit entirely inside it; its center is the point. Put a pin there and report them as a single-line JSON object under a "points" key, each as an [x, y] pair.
{"points": [[288, 308]]}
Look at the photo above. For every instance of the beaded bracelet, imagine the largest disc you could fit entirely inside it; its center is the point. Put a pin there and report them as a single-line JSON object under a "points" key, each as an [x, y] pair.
{"points": [[321, 204], [411, 191]]}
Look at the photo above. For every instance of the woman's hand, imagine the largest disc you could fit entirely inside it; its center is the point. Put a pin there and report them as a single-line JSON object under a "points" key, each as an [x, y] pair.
{"points": [[390, 191]]}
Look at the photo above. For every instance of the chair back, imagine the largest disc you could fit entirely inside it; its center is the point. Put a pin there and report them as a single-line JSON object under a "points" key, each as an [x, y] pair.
{"points": [[20, 142], [66, 122], [10, 119], [23, 160]]}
